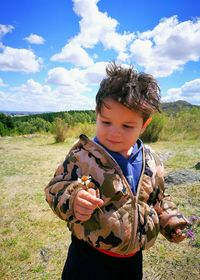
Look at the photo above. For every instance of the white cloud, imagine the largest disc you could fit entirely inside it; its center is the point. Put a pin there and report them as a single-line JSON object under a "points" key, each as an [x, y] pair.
{"points": [[71, 79], [4, 29], [32, 87], [33, 96], [76, 78], [35, 39], [21, 60], [168, 47], [74, 54], [95, 73], [63, 90], [189, 91], [77, 81], [95, 27]]}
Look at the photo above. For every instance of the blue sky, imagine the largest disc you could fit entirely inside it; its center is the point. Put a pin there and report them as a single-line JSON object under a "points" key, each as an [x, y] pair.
{"points": [[53, 53]]}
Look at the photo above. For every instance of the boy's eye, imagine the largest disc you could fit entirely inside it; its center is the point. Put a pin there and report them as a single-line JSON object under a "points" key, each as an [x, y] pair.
{"points": [[106, 123], [127, 126]]}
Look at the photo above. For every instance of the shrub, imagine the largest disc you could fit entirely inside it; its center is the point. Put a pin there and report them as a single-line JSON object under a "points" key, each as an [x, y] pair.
{"points": [[153, 130], [81, 128], [3, 130], [182, 125], [61, 129]]}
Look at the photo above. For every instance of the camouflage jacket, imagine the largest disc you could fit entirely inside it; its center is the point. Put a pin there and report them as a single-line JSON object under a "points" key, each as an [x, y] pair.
{"points": [[126, 222]]}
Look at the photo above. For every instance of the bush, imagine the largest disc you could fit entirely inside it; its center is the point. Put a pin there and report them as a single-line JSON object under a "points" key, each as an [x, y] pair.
{"points": [[81, 128], [3, 131], [184, 125], [153, 130], [61, 129]]}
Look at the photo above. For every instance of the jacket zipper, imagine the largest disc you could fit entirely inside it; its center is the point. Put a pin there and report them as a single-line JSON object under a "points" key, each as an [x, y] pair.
{"points": [[133, 198]]}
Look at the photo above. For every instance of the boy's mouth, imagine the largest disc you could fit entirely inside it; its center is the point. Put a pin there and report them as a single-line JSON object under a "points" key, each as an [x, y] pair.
{"points": [[114, 142]]}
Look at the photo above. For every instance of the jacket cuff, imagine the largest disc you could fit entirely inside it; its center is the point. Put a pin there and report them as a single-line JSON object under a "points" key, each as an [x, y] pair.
{"points": [[71, 200]]}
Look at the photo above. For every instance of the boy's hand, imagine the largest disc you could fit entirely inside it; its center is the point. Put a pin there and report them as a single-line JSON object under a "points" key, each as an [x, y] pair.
{"points": [[85, 202], [178, 236]]}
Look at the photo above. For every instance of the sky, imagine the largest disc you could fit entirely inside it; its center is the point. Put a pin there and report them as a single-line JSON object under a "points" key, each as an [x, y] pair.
{"points": [[53, 53]]}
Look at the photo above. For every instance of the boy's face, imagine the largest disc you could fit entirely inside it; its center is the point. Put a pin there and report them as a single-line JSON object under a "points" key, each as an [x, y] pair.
{"points": [[118, 127]]}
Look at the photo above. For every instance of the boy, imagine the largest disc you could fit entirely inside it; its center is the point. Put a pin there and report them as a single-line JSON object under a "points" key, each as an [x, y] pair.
{"points": [[110, 190]]}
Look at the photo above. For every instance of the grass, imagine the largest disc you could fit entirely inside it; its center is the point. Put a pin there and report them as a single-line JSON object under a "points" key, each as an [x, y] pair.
{"points": [[34, 242], [181, 154]]}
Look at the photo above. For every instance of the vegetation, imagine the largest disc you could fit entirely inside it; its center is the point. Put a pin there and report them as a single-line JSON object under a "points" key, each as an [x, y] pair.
{"points": [[181, 124], [60, 130], [178, 121], [34, 241], [6, 124], [184, 125], [153, 130]]}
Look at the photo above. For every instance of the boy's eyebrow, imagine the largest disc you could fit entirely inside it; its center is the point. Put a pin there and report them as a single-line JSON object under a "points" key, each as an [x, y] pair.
{"points": [[103, 116], [126, 122], [130, 122]]}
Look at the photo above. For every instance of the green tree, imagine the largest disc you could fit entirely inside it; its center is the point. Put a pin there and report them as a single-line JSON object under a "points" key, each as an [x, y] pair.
{"points": [[25, 128], [7, 121], [40, 124]]}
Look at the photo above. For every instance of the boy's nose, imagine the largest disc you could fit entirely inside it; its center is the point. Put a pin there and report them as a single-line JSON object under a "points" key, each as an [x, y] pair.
{"points": [[115, 131]]}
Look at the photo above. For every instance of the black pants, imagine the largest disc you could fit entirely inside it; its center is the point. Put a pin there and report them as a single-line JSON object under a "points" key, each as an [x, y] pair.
{"points": [[85, 262]]}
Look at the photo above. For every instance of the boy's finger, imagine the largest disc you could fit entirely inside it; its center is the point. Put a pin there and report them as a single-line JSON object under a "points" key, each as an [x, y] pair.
{"points": [[85, 203], [90, 195], [83, 210], [82, 217]]}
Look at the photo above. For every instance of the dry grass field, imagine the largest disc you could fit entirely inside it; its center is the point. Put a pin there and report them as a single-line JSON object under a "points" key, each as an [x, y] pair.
{"points": [[34, 242]]}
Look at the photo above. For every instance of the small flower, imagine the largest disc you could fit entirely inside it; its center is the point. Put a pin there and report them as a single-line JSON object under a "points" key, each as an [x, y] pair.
{"points": [[190, 234], [191, 230], [85, 181]]}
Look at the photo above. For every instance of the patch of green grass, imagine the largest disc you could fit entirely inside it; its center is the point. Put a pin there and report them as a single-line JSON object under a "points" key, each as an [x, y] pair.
{"points": [[182, 154], [23, 254], [10, 242]]}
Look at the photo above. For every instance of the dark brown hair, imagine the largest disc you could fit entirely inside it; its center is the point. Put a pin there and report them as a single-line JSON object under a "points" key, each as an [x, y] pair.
{"points": [[136, 91]]}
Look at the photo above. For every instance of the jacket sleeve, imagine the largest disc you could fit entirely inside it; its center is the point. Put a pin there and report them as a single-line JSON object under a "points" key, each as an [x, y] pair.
{"points": [[62, 189], [169, 216]]}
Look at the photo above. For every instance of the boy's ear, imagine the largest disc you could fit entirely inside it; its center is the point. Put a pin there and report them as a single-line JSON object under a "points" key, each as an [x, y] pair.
{"points": [[147, 122]]}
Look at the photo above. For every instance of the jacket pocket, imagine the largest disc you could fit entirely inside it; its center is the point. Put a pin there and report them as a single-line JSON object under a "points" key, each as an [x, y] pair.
{"points": [[148, 225]]}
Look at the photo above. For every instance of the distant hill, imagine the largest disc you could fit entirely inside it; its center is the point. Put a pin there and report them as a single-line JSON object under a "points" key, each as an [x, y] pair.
{"points": [[176, 106], [169, 107], [20, 113]]}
